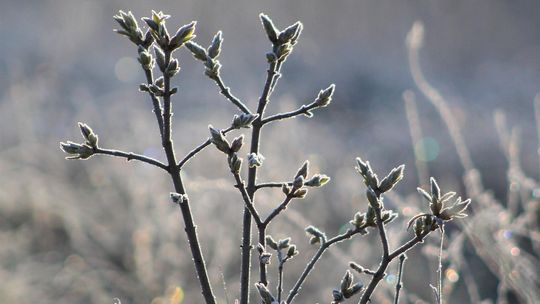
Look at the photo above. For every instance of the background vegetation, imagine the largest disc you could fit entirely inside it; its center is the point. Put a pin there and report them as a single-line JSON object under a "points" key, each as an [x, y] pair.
{"points": [[89, 232]]}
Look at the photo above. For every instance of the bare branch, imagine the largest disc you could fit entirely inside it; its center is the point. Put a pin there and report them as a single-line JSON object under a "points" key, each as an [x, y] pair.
{"points": [[130, 156]]}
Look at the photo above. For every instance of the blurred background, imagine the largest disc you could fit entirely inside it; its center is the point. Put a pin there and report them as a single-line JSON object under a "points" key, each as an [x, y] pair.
{"points": [[103, 230]]}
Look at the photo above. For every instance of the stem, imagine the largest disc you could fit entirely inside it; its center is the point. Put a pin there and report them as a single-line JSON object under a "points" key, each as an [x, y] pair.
{"points": [[304, 109], [399, 284], [310, 266], [226, 91], [252, 178], [247, 201], [174, 170], [129, 156]]}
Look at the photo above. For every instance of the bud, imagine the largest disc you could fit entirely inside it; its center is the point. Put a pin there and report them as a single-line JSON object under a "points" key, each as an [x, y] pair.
{"points": [[237, 144], [325, 97], [198, 51], [172, 68], [292, 251], [219, 140], [298, 182], [351, 291], [160, 59], [372, 198], [265, 294], [283, 244], [317, 180], [145, 58], [235, 163], [265, 258], [356, 267], [269, 28], [255, 160], [303, 171], [244, 120], [358, 220], [271, 243], [215, 47], [290, 32], [160, 82], [89, 135], [286, 189], [346, 282], [184, 34], [391, 179], [337, 296], [300, 193], [78, 151], [178, 198], [283, 50]]}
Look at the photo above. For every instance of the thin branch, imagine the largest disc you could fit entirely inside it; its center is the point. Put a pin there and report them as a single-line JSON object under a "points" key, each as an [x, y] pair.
{"points": [[304, 109], [399, 283], [271, 185], [226, 91], [439, 270], [198, 149], [278, 210], [247, 201], [130, 156], [310, 266]]}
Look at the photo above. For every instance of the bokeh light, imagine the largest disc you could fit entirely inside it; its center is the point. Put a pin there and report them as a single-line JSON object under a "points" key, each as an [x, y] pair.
{"points": [[426, 149]]}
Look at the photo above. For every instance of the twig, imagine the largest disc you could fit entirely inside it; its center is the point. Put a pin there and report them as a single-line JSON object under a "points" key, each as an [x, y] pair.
{"points": [[310, 266], [129, 156], [304, 109], [399, 283], [226, 91], [198, 149]]}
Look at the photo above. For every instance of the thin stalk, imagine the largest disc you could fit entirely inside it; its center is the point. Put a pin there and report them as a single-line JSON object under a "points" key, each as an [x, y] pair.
{"points": [[272, 185], [130, 156], [311, 265], [252, 178], [226, 91], [189, 223], [278, 210], [399, 283], [158, 111], [439, 270]]}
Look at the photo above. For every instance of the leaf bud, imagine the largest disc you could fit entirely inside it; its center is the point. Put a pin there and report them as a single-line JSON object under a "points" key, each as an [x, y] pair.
{"points": [[89, 135], [215, 47], [271, 243], [255, 160], [317, 180], [303, 171], [184, 34], [269, 28], [237, 143], [372, 198], [198, 51], [391, 179]]}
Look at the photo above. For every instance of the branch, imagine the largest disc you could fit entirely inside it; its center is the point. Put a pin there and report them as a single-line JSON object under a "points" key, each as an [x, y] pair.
{"points": [[226, 91], [278, 210], [325, 245], [304, 109], [248, 203], [129, 156], [198, 149]]}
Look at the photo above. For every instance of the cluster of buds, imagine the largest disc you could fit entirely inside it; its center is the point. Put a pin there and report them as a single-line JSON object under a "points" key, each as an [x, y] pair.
{"points": [[178, 198], [159, 32], [423, 223], [325, 96], [316, 235], [231, 149], [209, 55], [285, 245], [347, 289], [297, 187], [84, 150], [282, 41], [131, 29], [372, 181], [368, 219]]}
